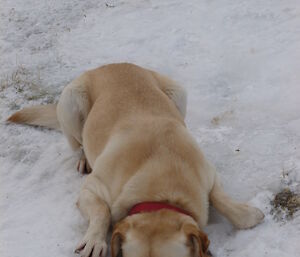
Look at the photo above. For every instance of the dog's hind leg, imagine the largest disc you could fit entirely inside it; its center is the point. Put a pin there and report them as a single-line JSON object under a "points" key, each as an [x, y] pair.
{"points": [[72, 110], [174, 91], [239, 214]]}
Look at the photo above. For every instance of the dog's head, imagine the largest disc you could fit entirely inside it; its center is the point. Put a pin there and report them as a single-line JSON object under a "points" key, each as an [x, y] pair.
{"points": [[163, 233]]}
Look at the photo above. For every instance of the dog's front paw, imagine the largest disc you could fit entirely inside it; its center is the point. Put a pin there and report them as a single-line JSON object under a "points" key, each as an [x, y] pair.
{"points": [[248, 217], [92, 245]]}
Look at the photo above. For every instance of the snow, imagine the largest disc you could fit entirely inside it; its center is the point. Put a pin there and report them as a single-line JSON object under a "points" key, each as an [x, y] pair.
{"points": [[240, 63]]}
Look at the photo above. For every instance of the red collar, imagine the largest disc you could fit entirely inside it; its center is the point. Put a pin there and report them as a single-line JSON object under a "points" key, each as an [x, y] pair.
{"points": [[155, 206]]}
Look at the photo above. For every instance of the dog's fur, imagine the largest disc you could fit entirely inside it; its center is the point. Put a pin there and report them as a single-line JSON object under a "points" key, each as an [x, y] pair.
{"points": [[130, 123]]}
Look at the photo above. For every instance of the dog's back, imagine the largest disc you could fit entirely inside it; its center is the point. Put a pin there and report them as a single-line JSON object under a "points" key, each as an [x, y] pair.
{"points": [[124, 97]]}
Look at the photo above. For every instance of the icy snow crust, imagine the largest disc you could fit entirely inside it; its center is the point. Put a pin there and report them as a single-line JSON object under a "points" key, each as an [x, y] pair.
{"points": [[240, 63]]}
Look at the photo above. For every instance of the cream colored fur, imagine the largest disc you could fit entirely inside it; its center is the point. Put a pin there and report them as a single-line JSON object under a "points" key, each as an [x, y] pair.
{"points": [[42, 115], [130, 123]]}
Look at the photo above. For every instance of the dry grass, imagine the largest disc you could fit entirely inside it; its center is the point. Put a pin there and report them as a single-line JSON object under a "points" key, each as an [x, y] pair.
{"points": [[26, 84], [285, 204]]}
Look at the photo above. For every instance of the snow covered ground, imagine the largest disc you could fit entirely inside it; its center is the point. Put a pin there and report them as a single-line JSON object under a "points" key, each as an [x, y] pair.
{"points": [[240, 63]]}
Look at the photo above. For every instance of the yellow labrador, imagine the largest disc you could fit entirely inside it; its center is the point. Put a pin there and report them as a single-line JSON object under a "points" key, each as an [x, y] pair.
{"points": [[149, 178]]}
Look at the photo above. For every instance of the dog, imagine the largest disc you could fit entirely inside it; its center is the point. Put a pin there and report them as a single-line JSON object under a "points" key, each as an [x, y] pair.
{"points": [[149, 178]]}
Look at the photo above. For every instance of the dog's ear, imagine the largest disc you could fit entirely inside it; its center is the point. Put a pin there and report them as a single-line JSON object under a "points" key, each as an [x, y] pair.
{"points": [[197, 239], [118, 237]]}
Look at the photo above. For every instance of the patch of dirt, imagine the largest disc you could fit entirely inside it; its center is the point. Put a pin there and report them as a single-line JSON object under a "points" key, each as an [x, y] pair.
{"points": [[285, 204], [222, 117]]}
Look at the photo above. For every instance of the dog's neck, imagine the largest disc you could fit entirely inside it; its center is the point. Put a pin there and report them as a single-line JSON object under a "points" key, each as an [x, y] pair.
{"points": [[156, 206]]}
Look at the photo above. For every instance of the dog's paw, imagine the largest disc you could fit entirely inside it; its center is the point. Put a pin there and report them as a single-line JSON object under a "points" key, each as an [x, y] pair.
{"points": [[248, 217], [92, 246], [83, 165]]}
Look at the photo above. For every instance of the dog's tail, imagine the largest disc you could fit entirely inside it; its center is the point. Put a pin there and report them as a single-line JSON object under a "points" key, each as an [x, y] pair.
{"points": [[39, 115]]}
